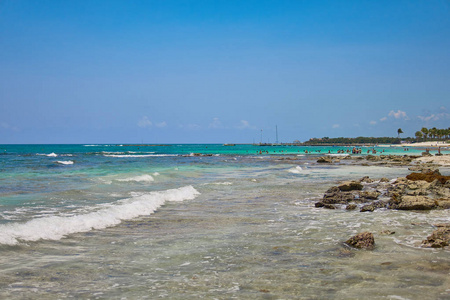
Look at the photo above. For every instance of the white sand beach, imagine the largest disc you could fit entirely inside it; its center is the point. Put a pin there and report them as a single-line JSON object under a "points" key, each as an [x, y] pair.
{"points": [[424, 144]]}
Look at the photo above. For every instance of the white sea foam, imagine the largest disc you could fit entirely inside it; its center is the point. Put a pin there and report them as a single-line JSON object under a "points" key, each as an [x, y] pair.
{"points": [[49, 155], [65, 162], [223, 183], [143, 155], [296, 170], [57, 227], [140, 178]]}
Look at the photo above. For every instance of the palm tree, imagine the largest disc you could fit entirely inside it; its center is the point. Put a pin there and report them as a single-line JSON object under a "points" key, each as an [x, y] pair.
{"points": [[425, 132], [419, 135], [433, 132], [399, 131]]}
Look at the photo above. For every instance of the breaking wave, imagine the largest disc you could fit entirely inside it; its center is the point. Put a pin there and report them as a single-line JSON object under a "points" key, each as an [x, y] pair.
{"points": [[57, 227]]}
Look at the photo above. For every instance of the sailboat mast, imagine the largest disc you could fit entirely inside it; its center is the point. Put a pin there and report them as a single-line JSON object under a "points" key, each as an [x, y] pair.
{"points": [[276, 130]]}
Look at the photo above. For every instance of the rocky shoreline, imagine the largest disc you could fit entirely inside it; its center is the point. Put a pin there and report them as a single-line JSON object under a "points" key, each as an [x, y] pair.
{"points": [[423, 189]]}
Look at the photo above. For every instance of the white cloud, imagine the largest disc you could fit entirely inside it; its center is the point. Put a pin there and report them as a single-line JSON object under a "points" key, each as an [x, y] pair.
{"points": [[161, 124], [216, 123], [383, 119], [373, 122], [245, 125], [398, 114], [429, 118], [144, 122], [336, 126], [442, 115]]}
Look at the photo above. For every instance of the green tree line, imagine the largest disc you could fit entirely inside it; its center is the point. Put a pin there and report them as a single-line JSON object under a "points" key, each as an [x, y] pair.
{"points": [[432, 134]]}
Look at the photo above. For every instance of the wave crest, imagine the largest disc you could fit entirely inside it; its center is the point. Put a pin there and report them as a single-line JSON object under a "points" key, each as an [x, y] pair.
{"points": [[57, 227]]}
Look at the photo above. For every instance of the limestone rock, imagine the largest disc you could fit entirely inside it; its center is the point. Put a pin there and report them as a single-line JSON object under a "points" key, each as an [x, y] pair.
{"points": [[338, 197], [364, 240], [366, 179], [350, 186], [428, 177], [415, 203], [351, 207], [325, 159], [370, 195], [443, 203], [373, 206], [439, 238], [324, 205]]}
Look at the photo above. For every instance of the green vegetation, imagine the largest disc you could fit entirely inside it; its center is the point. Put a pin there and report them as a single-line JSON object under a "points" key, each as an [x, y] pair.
{"points": [[425, 134], [355, 141]]}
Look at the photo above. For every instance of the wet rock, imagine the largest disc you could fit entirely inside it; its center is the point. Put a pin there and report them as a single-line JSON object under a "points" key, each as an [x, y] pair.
{"points": [[373, 206], [324, 205], [351, 207], [366, 179], [325, 159], [415, 203], [373, 158], [428, 177], [438, 238], [369, 195], [387, 232], [338, 198], [426, 154], [350, 186], [364, 240], [443, 203], [384, 179]]}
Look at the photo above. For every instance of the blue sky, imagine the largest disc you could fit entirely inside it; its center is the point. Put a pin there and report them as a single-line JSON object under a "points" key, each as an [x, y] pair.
{"points": [[221, 71]]}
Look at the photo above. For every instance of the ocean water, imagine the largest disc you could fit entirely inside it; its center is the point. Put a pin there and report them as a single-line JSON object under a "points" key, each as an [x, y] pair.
{"points": [[146, 222]]}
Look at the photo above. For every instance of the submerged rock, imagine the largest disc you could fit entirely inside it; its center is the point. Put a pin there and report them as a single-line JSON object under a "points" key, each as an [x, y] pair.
{"points": [[364, 240]]}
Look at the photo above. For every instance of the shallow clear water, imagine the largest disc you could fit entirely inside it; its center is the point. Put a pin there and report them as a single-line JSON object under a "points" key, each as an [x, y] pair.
{"points": [[232, 226]]}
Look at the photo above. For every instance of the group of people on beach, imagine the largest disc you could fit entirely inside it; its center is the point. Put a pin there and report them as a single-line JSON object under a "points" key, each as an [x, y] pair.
{"points": [[340, 151]]}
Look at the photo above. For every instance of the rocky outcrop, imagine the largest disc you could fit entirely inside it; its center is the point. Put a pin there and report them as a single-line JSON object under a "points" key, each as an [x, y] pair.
{"points": [[439, 238], [405, 193], [364, 240]]}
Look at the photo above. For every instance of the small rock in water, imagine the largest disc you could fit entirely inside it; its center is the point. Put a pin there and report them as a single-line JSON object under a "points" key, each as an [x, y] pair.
{"points": [[364, 240], [439, 238], [351, 207], [387, 232]]}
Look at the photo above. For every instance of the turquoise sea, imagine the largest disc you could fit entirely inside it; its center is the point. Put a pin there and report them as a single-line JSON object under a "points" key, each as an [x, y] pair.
{"points": [[203, 221]]}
